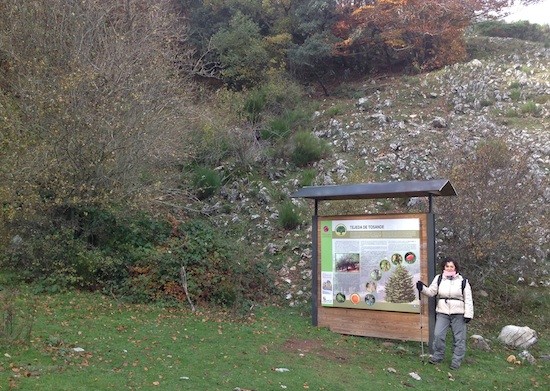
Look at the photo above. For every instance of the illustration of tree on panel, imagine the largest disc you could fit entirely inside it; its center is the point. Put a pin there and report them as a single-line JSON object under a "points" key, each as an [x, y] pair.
{"points": [[399, 288]]}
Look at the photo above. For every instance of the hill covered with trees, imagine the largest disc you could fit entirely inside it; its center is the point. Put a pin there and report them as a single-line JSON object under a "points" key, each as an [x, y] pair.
{"points": [[149, 149]]}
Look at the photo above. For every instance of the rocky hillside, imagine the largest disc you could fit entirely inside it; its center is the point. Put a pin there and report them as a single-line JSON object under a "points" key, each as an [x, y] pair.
{"points": [[395, 128]]}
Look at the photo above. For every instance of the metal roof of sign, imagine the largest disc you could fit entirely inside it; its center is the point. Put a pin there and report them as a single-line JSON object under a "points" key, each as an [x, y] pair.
{"points": [[400, 189]]}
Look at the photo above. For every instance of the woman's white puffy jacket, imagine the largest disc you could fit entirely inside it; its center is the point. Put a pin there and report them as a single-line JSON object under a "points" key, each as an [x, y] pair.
{"points": [[449, 296]]}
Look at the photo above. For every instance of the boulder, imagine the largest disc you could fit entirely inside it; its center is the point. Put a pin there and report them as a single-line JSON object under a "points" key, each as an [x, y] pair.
{"points": [[516, 336]]}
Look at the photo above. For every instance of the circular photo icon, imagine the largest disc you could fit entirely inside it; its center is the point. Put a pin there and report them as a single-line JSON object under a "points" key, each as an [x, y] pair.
{"points": [[376, 274], [340, 297], [410, 257], [385, 265], [371, 286], [355, 298], [397, 259], [370, 299]]}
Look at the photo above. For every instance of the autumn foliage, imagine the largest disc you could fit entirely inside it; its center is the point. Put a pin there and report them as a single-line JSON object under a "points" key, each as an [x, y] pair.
{"points": [[423, 34]]}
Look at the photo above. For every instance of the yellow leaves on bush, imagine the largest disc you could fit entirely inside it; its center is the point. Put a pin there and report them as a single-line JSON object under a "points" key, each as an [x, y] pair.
{"points": [[139, 270], [395, 38], [279, 39]]}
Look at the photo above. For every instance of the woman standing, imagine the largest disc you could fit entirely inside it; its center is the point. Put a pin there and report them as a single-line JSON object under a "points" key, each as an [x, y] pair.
{"points": [[454, 308]]}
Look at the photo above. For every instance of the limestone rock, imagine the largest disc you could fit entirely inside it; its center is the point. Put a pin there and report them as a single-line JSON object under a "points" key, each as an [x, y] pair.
{"points": [[516, 336], [478, 342]]}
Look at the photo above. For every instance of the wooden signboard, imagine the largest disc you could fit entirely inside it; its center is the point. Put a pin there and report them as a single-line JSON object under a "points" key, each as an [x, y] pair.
{"points": [[366, 274]]}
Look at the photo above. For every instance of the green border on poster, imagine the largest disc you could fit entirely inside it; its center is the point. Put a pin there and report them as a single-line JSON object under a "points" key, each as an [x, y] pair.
{"points": [[326, 245]]}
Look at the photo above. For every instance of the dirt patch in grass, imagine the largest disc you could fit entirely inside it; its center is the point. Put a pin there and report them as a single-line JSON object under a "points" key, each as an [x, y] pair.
{"points": [[311, 346]]}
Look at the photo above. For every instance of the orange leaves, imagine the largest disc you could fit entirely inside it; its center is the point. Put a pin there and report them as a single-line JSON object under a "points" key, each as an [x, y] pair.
{"points": [[428, 33], [173, 289]]}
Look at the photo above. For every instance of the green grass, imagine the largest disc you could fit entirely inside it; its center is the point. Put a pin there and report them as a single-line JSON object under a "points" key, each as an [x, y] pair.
{"points": [[137, 347]]}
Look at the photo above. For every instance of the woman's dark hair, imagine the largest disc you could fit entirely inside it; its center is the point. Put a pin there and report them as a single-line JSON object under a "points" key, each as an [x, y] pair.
{"points": [[447, 260]]}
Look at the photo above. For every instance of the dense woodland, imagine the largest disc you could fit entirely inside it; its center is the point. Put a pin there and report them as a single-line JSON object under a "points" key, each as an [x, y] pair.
{"points": [[116, 116]]}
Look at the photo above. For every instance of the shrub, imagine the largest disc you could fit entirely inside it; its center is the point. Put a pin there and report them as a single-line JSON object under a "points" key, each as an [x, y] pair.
{"points": [[206, 182], [87, 248], [530, 108], [242, 52], [219, 270], [278, 128], [307, 177], [254, 105], [209, 145], [307, 148], [283, 125], [289, 218], [515, 94], [490, 227], [511, 113], [520, 30], [58, 261], [335, 110]]}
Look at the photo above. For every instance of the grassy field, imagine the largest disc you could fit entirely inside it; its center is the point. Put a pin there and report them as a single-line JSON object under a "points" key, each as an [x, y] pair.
{"points": [[82, 341]]}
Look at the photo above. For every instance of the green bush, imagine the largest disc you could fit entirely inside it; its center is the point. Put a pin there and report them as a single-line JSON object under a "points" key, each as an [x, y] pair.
{"points": [[218, 270], [511, 113], [58, 261], [140, 259], [307, 177], [87, 248], [242, 52], [520, 30], [530, 108], [206, 182], [282, 126], [515, 94], [278, 128], [254, 105], [336, 110], [279, 97], [289, 218], [307, 148]]}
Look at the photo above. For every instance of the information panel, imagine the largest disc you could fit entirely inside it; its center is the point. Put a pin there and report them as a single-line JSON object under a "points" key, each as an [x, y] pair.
{"points": [[370, 263]]}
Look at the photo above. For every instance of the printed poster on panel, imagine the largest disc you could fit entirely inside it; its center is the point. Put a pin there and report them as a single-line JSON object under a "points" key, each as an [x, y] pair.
{"points": [[370, 263]]}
